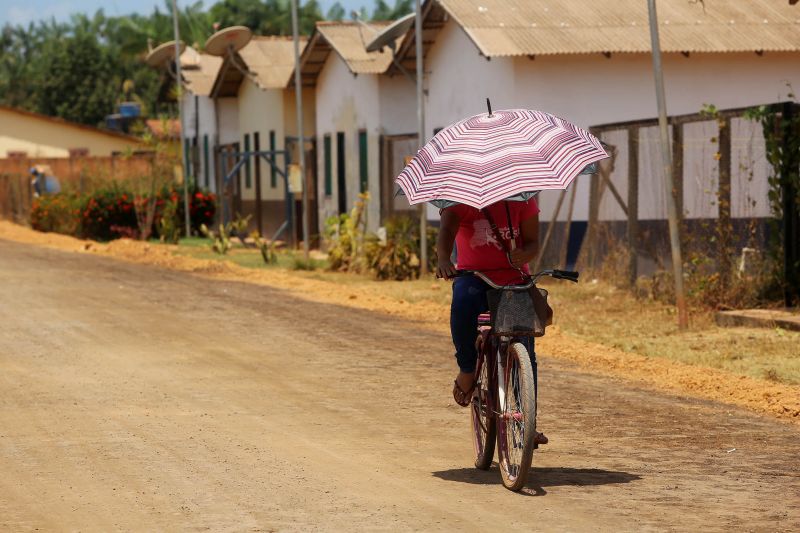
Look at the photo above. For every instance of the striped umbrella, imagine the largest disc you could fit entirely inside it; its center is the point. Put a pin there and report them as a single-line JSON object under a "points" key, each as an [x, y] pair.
{"points": [[495, 156]]}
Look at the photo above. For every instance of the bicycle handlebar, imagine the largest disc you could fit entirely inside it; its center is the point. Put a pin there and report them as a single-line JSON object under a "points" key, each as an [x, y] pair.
{"points": [[569, 275]]}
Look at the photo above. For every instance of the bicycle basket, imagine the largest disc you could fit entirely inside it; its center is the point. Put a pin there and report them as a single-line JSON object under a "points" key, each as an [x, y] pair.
{"points": [[513, 312]]}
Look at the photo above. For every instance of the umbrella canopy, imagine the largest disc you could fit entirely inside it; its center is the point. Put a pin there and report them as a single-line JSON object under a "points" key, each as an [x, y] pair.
{"points": [[493, 156]]}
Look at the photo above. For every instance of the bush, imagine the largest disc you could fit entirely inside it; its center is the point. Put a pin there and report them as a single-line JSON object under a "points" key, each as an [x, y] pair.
{"points": [[202, 208], [344, 238], [108, 213], [398, 258], [56, 213], [104, 209]]}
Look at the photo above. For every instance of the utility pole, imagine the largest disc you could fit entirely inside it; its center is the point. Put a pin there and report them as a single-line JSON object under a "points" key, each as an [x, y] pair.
{"points": [[666, 156], [179, 82], [298, 90], [423, 208]]}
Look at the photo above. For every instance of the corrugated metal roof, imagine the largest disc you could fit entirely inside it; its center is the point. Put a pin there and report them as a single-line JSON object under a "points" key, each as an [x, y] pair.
{"points": [[199, 75], [541, 27], [350, 39], [271, 60]]}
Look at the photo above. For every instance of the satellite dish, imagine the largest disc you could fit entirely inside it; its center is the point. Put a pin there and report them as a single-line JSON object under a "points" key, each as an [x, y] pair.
{"points": [[233, 38], [163, 53], [391, 33]]}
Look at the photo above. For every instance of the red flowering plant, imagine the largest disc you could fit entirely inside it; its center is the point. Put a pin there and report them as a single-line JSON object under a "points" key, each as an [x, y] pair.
{"points": [[202, 208], [56, 213], [105, 211], [110, 212]]}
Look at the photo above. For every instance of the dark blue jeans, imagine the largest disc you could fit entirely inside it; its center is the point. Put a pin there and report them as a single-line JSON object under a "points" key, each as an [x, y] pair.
{"points": [[469, 301]]}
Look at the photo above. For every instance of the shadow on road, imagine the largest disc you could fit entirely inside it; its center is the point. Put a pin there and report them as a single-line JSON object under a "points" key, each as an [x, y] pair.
{"points": [[540, 477]]}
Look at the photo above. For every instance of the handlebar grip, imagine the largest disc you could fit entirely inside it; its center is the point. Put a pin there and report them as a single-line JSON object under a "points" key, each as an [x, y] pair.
{"points": [[566, 274]]}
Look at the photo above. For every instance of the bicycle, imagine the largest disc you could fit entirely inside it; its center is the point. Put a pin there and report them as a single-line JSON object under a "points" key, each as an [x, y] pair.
{"points": [[503, 406]]}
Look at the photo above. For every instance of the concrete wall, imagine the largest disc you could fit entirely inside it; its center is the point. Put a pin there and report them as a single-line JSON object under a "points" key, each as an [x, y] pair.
{"points": [[43, 137], [290, 112], [348, 104], [261, 111], [398, 105], [228, 120], [199, 116]]}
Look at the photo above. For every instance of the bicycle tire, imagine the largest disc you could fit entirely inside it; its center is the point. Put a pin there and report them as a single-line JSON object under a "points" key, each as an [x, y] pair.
{"points": [[517, 419], [484, 423]]}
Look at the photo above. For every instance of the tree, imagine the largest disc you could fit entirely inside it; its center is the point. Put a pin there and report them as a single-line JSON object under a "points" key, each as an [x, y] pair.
{"points": [[336, 12], [80, 81], [270, 17], [382, 10]]}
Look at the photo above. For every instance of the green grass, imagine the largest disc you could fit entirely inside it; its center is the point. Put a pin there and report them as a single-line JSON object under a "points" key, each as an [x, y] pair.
{"points": [[200, 248]]}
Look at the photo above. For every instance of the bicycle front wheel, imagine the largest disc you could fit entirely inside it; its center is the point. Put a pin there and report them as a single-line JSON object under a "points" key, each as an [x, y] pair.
{"points": [[484, 427], [517, 419]]}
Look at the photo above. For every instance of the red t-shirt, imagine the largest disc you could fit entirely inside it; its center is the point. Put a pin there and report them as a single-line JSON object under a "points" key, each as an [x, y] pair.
{"points": [[476, 245]]}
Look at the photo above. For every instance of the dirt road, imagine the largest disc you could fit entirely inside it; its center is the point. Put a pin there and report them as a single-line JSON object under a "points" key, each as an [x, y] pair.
{"points": [[137, 398]]}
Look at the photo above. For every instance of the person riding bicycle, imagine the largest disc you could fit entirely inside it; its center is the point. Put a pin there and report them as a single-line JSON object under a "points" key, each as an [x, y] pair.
{"points": [[477, 249]]}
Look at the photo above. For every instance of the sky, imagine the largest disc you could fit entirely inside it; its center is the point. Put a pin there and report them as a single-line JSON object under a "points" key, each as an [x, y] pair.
{"points": [[25, 11]]}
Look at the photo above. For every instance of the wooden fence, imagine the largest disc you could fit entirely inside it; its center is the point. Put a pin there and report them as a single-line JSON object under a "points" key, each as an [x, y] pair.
{"points": [[719, 181]]}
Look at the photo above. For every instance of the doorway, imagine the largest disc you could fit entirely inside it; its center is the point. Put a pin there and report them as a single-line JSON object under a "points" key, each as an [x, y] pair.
{"points": [[341, 176]]}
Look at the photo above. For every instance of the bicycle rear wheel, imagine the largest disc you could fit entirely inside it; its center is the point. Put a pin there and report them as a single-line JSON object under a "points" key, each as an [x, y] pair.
{"points": [[517, 420], [484, 423]]}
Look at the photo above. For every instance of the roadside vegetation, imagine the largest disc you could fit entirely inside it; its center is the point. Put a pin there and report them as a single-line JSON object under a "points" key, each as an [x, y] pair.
{"points": [[592, 310]]}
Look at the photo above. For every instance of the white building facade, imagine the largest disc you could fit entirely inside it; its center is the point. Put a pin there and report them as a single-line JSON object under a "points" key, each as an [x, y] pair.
{"points": [[360, 111], [495, 51]]}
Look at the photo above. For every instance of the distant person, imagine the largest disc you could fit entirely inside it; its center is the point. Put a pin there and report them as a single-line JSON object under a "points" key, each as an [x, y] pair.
{"points": [[43, 182]]}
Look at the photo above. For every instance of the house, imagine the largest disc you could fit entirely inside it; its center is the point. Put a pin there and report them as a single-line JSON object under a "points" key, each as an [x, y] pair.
{"points": [[257, 77], [590, 63], [24, 134], [365, 119]]}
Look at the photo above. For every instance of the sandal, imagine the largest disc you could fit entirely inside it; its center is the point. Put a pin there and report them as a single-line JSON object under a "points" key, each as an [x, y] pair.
{"points": [[461, 396]]}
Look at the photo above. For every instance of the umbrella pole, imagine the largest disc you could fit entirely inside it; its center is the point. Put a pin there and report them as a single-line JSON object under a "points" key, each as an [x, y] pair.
{"points": [[666, 156]]}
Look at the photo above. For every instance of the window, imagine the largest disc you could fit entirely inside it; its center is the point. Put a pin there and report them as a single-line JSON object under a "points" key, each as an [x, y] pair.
{"points": [[187, 159], [206, 175], [248, 180], [257, 159], [326, 141], [273, 176], [363, 163], [341, 185]]}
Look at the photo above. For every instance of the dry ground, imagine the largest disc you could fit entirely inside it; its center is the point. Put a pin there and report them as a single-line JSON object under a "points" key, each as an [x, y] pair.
{"points": [[139, 398]]}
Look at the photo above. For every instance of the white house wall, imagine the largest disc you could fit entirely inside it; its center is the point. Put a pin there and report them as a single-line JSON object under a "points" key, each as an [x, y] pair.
{"points": [[592, 90], [348, 104], [200, 121], [228, 120], [261, 110], [398, 101]]}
